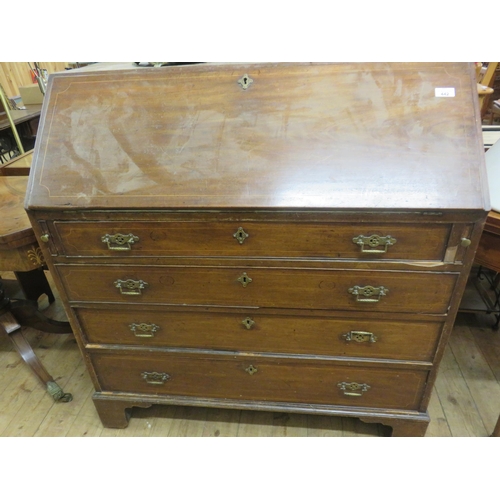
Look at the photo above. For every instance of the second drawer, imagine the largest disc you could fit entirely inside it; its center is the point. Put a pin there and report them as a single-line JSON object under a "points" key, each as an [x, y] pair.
{"points": [[346, 289]]}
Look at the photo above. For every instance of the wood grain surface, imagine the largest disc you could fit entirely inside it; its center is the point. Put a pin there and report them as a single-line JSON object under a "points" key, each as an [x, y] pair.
{"points": [[302, 135]]}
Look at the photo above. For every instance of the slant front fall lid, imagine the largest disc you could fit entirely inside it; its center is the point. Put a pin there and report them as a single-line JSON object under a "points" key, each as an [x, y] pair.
{"points": [[298, 136]]}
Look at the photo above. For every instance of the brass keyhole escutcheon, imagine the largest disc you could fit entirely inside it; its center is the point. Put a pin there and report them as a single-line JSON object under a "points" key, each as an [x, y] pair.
{"points": [[244, 279], [251, 370], [245, 81], [240, 235], [248, 322]]}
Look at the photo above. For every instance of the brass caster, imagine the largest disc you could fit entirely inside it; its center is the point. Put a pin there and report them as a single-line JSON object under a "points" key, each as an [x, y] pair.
{"points": [[57, 393]]}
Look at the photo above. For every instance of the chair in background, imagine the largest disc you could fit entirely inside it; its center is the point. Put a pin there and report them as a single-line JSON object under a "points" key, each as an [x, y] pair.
{"points": [[485, 80], [494, 111], [20, 254]]}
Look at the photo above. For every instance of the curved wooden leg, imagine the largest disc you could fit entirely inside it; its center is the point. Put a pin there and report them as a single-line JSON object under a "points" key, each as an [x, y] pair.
{"points": [[115, 413], [12, 328]]}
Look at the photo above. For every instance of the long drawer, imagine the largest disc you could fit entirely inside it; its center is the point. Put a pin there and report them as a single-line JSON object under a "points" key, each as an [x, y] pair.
{"points": [[254, 239], [260, 379], [420, 292], [258, 332]]}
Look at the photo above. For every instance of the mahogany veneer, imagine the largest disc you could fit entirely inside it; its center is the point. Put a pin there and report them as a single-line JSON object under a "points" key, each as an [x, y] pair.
{"points": [[289, 237]]}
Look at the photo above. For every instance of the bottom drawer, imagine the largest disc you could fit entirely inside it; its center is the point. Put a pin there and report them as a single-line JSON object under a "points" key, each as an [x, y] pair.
{"points": [[260, 379]]}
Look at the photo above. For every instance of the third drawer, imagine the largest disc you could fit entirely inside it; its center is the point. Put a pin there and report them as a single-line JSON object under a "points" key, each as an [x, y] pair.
{"points": [[259, 332]]}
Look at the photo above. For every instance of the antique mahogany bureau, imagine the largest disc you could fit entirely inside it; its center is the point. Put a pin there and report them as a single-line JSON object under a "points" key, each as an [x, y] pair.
{"points": [[289, 237]]}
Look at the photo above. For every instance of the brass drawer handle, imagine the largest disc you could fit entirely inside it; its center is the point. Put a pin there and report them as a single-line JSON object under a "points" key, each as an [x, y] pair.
{"points": [[244, 279], [374, 241], [155, 378], [130, 287], [251, 370], [119, 241], [248, 322], [359, 336], [143, 329], [353, 388], [368, 293], [240, 235]]}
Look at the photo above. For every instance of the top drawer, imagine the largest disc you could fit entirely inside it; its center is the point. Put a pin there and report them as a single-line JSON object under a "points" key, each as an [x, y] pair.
{"points": [[254, 239]]}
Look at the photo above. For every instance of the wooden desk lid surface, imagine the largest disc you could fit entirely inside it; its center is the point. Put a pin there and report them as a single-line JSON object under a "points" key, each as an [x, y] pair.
{"points": [[300, 136]]}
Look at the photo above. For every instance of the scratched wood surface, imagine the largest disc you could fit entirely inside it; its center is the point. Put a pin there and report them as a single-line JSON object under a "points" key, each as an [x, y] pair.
{"points": [[301, 136], [465, 401]]}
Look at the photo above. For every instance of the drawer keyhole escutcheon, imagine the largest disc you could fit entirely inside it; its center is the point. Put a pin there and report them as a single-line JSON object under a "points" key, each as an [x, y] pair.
{"points": [[244, 279], [119, 242], [374, 241], [368, 293], [353, 388], [245, 81], [248, 322], [130, 287], [155, 378], [240, 235], [358, 336], [144, 330], [251, 370]]}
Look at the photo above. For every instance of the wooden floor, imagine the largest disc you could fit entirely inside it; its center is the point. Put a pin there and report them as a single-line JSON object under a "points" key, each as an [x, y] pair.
{"points": [[465, 401]]}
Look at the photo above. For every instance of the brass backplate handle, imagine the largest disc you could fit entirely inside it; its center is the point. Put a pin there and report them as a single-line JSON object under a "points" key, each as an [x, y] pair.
{"points": [[353, 388], [130, 287], [368, 243], [155, 378], [360, 337], [144, 330], [368, 293], [119, 242]]}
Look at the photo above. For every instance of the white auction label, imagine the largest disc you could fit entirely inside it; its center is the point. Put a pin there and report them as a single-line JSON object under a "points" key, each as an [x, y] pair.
{"points": [[445, 92]]}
